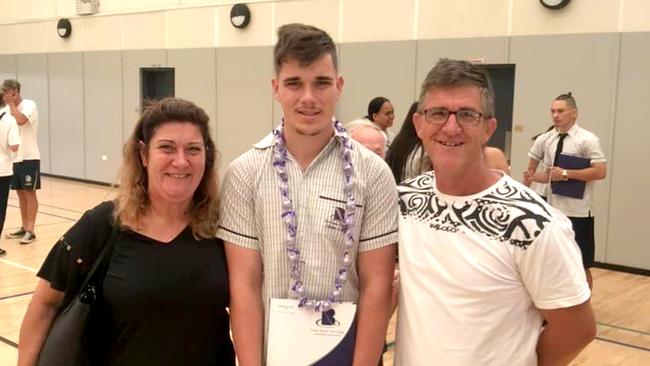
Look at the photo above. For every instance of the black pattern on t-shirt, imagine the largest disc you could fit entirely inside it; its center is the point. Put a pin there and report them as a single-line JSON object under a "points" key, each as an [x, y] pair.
{"points": [[507, 213]]}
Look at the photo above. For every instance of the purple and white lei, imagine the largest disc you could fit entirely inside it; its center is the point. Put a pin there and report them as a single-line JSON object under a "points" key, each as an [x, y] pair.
{"points": [[289, 218]]}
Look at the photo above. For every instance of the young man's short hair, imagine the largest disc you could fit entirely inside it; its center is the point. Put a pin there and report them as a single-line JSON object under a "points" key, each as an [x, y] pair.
{"points": [[303, 43]]}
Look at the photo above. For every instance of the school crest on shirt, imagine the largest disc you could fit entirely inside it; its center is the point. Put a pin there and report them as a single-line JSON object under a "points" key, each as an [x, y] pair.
{"points": [[337, 219], [507, 214]]}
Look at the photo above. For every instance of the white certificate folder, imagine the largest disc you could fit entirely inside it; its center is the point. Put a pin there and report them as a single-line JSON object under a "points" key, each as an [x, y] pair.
{"points": [[301, 337]]}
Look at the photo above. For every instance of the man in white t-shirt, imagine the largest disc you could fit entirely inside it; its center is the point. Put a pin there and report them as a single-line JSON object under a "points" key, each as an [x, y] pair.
{"points": [[27, 164], [484, 260], [9, 141]]}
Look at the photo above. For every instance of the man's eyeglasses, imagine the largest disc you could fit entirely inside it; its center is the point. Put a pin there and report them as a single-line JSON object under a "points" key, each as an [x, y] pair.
{"points": [[464, 117]]}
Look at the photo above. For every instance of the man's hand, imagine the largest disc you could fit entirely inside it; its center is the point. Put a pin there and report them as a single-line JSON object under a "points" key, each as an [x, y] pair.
{"points": [[528, 178], [556, 173], [9, 97]]}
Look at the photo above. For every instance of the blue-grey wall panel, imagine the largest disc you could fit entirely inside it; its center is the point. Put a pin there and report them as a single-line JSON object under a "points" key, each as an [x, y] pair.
{"points": [[244, 99], [196, 78], [32, 74], [132, 62], [585, 64], [630, 176], [7, 67], [376, 69], [66, 114], [103, 114]]}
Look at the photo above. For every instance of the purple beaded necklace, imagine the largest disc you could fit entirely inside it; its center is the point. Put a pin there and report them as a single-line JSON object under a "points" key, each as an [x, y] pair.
{"points": [[289, 217]]}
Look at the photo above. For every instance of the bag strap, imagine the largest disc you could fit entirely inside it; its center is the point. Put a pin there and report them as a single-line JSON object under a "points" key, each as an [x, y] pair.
{"points": [[101, 259]]}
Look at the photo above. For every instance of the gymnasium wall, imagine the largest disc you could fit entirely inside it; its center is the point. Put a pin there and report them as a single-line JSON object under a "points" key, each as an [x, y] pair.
{"points": [[87, 87]]}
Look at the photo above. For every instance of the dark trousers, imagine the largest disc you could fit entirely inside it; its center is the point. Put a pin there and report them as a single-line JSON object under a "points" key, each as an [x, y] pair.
{"points": [[4, 197]]}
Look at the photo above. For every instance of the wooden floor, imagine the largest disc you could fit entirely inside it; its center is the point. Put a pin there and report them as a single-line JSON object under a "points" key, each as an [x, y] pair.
{"points": [[621, 301]]}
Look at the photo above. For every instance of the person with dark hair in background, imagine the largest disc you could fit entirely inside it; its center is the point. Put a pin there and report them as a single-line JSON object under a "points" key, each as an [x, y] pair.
{"points": [[164, 296], [405, 156], [27, 163], [382, 114], [307, 203], [568, 138], [9, 141], [483, 259]]}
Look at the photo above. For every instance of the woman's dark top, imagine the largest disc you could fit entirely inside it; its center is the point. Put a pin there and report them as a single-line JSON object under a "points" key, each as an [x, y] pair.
{"points": [[161, 303]]}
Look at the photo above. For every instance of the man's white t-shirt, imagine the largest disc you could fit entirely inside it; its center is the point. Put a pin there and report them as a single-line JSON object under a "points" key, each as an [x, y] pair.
{"points": [[9, 136], [474, 271], [28, 149]]}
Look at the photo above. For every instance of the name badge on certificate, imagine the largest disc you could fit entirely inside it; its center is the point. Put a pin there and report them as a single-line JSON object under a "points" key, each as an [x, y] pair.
{"points": [[299, 336]]}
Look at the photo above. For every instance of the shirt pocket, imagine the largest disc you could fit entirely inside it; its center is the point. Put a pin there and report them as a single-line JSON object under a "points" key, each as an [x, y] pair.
{"points": [[332, 216]]}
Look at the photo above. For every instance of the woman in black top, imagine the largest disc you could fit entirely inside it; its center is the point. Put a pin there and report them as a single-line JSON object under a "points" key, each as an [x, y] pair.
{"points": [[164, 296]]}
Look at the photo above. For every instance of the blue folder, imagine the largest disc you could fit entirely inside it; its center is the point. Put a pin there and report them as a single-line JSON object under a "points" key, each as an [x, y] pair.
{"points": [[571, 188]]}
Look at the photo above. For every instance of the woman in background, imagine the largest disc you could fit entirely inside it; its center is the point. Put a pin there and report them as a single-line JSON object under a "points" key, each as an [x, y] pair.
{"points": [[382, 114], [406, 157]]}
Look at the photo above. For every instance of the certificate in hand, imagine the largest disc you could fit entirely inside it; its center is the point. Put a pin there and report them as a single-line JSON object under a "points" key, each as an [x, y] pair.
{"points": [[299, 336], [572, 187]]}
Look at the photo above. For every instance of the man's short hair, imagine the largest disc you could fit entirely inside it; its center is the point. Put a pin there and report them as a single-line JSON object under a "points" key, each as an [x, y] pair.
{"points": [[303, 43], [568, 99], [454, 73], [11, 84]]}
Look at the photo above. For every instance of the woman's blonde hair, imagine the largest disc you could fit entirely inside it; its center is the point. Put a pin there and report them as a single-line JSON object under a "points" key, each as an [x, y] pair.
{"points": [[133, 199]]}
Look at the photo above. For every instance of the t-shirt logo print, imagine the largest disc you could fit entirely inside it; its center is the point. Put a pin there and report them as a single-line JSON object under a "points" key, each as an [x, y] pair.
{"points": [[337, 219], [507, 214]]}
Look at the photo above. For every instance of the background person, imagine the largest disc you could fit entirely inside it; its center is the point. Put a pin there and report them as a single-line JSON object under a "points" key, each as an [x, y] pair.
{"points": [[165, 293], [496, 159], [539, 188], [569, 138], [370, 137], [382, 114], [27, 164], [406, 157], [9, 141]]}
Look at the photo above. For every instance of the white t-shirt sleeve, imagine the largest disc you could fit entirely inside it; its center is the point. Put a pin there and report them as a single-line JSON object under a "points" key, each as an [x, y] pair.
{"points": [[13, 135], [595, 153], [28, 108], [537, 150], [551, 267]]}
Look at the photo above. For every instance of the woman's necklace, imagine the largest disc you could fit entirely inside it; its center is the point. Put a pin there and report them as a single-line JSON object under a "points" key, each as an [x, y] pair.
{"points": [[289, 218]]}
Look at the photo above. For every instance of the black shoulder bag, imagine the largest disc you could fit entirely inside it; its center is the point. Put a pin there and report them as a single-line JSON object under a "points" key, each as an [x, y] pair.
{"points": [[64, 344]]}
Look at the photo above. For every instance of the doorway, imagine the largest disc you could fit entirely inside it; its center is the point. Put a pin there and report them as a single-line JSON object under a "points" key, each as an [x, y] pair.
{"points": [[155, 83], [503, 82]]}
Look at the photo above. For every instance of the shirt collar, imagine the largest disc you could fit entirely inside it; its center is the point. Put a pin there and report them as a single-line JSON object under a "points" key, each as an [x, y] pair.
{"points": [[571, 132]]}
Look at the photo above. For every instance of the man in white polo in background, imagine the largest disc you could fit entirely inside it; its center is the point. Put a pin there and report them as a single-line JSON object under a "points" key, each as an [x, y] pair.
{"points": [[9, 141], [569, 138], [27, 165]]}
